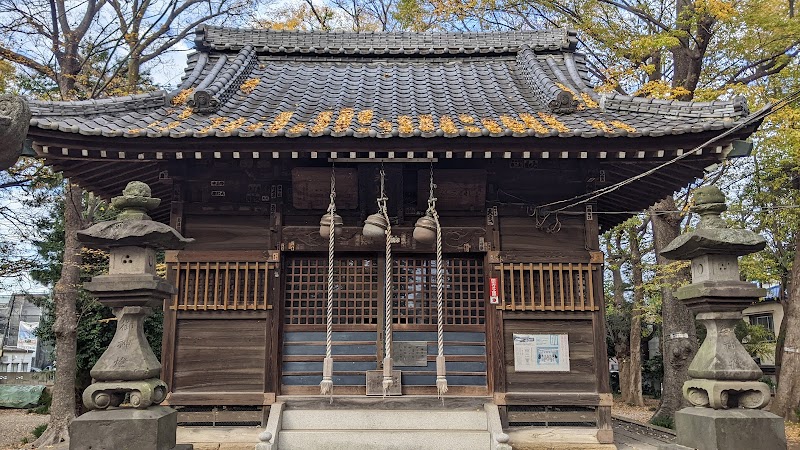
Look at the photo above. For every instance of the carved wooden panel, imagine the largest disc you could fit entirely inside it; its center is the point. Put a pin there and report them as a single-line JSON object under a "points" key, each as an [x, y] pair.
{"points": [[311, 188]]}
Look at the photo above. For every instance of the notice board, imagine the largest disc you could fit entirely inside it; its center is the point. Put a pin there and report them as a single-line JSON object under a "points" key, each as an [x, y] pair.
{"points": [[541, 353]]}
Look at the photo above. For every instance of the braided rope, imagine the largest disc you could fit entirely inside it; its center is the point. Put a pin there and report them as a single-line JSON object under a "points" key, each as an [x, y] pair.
{"points": [[441, 379], [326, 385], [387, 360]]}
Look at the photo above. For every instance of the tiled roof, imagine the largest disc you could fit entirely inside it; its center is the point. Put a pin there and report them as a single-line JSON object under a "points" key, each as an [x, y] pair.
{"points": [[250, 83]]}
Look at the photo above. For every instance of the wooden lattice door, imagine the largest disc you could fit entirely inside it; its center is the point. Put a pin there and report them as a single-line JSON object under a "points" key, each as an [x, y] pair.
{"points": [[358, 319]]}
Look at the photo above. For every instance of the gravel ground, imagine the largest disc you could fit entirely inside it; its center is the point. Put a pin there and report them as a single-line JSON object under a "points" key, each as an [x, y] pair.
{"points": [[637, 413], [16, 424]]}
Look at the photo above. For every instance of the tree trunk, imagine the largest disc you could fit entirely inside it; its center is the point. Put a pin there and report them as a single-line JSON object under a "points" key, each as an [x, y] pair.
{"points": [[787, 396], [635, 377], [65, 294], [679, 344], [621, 340]]}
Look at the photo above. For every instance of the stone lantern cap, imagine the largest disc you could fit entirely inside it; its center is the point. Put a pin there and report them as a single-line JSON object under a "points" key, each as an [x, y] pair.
{"points": [[712, 236], [133, 227]]}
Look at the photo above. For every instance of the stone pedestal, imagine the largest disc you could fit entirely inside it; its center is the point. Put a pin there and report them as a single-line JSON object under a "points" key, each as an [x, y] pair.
{"points": [[732, 429], [132, 429]]}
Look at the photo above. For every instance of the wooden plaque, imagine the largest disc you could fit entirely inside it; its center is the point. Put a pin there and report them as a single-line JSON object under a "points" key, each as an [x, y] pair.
{"points": [[410, 354], [375, 383], [456, 189], [311, 188]]}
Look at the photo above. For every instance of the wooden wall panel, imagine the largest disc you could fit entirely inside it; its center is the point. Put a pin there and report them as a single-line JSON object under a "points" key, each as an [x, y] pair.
{"points": [[221, 232], [219, 355], [521, 234], [581, 378]]}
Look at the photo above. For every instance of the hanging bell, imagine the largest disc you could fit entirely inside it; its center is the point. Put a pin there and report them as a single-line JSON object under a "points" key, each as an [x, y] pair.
{"points": [[375, 226], [325, 224], [425, 230]]}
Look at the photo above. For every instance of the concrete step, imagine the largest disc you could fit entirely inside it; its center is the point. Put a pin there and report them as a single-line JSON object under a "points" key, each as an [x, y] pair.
{"points": [[383, 440], [294, 419]]}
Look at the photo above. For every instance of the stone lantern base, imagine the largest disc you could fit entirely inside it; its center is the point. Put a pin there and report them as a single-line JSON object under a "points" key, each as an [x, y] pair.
{"points": [[727, 429], [132, 429]]}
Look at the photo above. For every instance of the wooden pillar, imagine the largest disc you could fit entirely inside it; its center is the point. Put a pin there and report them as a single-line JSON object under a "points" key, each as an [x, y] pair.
{"points": [[170, 315]]}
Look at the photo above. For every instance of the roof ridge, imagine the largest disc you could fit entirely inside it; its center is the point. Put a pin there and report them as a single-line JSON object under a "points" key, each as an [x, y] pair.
{"points": [[715, 109], [147, 100], [208, 37], [547, 91], [222, 81]]}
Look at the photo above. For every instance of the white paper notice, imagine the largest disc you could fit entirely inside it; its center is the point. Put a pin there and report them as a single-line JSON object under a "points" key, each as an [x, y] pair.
{"points": [[541, 353]]}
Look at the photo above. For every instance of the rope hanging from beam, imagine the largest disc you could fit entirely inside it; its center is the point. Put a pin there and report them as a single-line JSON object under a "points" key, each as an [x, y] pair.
{"points": [[441, 378], [387, 360], [326, 385]]}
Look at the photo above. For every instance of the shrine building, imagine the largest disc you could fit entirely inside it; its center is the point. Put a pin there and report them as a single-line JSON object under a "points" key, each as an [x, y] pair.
{"points": [[514, 137]]}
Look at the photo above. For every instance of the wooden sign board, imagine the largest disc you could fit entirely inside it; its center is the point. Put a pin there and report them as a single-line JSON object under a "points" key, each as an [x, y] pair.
{"points": [[456, 190], [410, 354], [375, 383], [311, 188]]}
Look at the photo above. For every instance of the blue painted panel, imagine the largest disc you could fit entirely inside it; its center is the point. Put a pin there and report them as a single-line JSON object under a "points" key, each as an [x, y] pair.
{"points": [[458, 349], [300, 349], [314, 380], [338, 366], [338, 336], [458, 336], [430, 380]]}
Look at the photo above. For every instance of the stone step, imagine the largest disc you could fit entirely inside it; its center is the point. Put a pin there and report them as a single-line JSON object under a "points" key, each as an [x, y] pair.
{"points": [[362, 419], [383, 440]]}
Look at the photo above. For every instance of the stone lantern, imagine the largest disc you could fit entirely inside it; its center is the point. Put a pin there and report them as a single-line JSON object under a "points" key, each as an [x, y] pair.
{"points": [[129, 368], [15, 116], [724, 390]]}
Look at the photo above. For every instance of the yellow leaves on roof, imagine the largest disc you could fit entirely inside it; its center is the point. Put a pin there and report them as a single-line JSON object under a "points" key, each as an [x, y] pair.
{"points": [[321, 122], [447, 125], [385, 126], [365, 121], [426, 123], [609, 127], [534, 124], [589, 101], [365, 116], [600, 125], [492, 126], [343, 121], [280, 121], [182, 97], [554, 123], [405, 124], [623, 126], [249, 85], [185, 113], [512, 124], [234, 125]]}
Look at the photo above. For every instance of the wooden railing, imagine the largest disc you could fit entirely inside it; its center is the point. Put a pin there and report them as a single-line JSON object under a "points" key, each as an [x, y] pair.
{"points": [[221, 284], [548, 286]]}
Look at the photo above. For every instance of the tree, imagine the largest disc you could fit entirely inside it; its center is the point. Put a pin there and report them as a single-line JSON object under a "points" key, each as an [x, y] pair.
{"points": [[150, 29], [680, 345], [62, 409], [634, 387]]}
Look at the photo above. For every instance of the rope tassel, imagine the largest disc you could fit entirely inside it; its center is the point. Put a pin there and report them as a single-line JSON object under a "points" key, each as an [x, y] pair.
{"points": [[388, 382], [326, 386], [441, 380]]}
